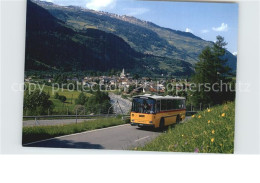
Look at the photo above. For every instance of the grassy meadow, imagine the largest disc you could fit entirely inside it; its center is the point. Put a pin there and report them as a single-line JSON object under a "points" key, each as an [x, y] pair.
{"points": [[209, 131], [36, 133], [60, 107]]}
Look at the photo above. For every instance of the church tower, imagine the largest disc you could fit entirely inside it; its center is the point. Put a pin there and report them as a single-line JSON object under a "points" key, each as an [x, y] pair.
{"points": [[122, 75]]}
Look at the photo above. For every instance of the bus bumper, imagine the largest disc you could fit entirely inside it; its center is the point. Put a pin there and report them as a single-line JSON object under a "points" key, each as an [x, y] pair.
{"points": [[142, 125]]}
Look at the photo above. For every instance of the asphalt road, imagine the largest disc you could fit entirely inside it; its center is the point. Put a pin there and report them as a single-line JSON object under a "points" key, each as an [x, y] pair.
{"points": [[120, 137], [124, 103]]}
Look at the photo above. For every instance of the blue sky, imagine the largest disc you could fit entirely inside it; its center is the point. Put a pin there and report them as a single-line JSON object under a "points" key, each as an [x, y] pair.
{"points": [[206, 20]]}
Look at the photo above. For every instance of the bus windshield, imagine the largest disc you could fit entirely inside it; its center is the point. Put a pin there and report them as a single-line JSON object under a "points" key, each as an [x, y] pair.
{"points": [[143, 105]]}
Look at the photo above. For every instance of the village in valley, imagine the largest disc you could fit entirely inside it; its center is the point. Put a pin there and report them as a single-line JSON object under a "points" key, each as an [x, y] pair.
{"points": [[124, 83], [134, 84]]}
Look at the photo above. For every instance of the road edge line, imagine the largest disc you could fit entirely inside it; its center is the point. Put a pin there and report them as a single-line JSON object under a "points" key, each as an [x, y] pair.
{"points": [[142, 138], [58, 137]]}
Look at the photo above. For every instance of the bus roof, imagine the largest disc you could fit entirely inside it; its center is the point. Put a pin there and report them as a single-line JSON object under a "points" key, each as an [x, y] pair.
{"points": [[158, 97]]}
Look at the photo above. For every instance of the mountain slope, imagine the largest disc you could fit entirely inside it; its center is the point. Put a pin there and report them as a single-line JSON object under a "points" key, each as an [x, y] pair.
{"points": [[52, 44], [143, 36], [50, 41]]}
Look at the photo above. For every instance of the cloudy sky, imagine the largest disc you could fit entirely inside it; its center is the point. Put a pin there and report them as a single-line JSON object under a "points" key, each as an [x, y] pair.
{"points": [[206, 20]]}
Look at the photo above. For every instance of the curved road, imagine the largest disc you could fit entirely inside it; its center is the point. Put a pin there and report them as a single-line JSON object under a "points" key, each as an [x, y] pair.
{"points": [[124, 103], [120, 137]]}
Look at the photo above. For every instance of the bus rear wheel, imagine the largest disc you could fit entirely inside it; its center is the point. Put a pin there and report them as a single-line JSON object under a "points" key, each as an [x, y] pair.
{"points": [[178, 119], [162, 125]]}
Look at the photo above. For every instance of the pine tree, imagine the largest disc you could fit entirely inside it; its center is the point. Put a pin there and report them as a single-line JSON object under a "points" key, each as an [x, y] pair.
{"points": [[212, 72]]}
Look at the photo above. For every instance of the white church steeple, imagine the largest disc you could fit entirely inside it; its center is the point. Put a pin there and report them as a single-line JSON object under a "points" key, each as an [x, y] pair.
{"points": [[122, 75]]}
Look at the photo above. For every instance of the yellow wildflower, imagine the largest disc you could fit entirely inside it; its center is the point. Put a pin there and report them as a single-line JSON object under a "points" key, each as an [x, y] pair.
{"points": [[199, 116], [223, 114], [220, 145], [182, 135], [208, 121], [209, 110], [213, 131], [212, 140], [193, 116], [225, 107]]}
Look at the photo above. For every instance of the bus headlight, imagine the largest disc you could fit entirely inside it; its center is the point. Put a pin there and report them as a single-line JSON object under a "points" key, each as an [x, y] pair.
{"points": [[151, 122], [133, 120]]}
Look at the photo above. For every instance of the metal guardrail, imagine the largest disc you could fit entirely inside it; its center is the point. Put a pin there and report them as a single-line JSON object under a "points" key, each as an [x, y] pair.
{"points": [[36, 118], [190, 113], [89, 116], [124, 116], [68, 116]]}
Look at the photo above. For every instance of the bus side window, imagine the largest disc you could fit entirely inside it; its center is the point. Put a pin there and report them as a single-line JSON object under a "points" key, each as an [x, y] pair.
{"points": [[179, 102], [163, 105], [169, 104], [158, 106], [175, 104], [172, 104], [183, 104]]}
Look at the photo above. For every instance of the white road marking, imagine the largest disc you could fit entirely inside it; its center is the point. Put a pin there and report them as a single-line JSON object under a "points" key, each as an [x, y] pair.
{"points": [[59, 137], [142, 138]]}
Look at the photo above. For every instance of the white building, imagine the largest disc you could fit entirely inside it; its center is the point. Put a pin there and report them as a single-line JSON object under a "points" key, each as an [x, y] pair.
{"points": [[122, 75]]}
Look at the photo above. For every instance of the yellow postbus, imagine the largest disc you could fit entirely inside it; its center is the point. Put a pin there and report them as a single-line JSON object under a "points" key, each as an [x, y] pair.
{"points": [[157, 111]]}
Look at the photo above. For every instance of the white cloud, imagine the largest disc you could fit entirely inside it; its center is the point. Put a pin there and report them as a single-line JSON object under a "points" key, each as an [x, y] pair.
{"points": [[235, 53], [223, 27], [48, 0], [204, 31], [135, 11], [100, 4], [188, 30]]}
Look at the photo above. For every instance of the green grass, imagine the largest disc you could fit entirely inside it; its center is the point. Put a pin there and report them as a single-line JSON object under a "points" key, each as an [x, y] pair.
{"points": [[32, 134], [207, 132], [59, 107]]}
